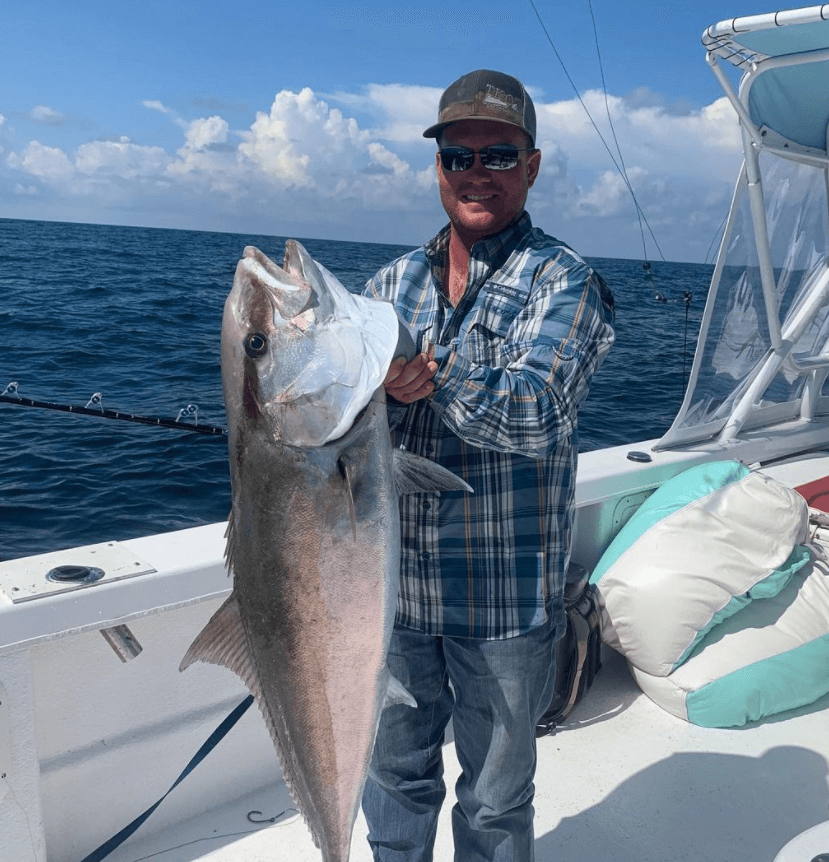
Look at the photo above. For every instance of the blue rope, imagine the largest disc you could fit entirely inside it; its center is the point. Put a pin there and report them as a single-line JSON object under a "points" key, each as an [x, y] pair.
{"points": [[213, 740]]}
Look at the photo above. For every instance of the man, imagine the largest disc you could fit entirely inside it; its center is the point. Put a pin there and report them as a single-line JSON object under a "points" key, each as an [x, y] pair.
{"points": [[511, 325]]}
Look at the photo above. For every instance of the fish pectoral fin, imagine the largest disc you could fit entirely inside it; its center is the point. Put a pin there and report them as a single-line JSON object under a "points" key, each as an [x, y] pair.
{"points": [[223, 641], [396, 692], [405, 341], [413, 474], [345, 472]]}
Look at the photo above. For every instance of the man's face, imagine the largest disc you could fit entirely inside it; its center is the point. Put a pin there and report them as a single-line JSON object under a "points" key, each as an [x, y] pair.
{"points": [[481, 202]]}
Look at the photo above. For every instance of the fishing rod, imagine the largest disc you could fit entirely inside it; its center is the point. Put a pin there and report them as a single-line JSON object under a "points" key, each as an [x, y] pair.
{"points": [[95, 407]]}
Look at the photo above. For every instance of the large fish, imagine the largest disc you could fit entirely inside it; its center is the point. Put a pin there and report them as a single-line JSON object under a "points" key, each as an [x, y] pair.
{"points": [[313, 536]]}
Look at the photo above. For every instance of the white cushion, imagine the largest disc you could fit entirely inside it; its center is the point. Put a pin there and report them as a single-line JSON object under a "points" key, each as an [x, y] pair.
{"points": [[703, 546]]}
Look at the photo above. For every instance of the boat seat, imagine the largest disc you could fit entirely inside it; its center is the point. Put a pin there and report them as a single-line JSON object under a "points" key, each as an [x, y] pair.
{"points": [[713, 596]]}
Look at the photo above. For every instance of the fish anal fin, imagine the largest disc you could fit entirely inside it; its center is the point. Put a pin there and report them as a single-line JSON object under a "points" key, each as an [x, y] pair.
{"points": [[405, 340], [229, 539], [413, 474], [396, 692]]}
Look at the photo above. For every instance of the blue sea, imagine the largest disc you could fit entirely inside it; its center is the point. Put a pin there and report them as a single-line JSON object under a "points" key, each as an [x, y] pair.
{"points": [[135, 314]]}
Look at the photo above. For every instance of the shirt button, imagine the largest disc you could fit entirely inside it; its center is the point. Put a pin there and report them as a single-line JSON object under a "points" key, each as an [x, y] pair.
{"points": [[425, 556], [427, 505], [430, 449]]}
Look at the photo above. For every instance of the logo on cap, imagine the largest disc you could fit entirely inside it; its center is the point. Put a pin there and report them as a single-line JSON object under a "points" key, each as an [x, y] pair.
{"points": [[495, 96]]}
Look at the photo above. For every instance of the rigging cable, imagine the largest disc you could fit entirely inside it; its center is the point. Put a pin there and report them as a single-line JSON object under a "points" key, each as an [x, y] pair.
{"points": [[613, 132], [718, 232], [687, 298], [622, 173]]}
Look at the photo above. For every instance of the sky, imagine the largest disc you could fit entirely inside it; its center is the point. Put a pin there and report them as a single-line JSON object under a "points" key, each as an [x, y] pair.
{"points": [[305, 119]]}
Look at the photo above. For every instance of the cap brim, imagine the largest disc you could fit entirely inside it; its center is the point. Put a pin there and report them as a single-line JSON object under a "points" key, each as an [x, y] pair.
{"points": [[434, 131]]}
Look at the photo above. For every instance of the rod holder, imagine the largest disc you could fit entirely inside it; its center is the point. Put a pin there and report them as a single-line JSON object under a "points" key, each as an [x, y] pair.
{"points": [[123, 642]]}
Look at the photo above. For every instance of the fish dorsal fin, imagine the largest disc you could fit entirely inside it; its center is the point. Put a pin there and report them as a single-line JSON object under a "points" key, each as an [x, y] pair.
{"points": [[413, 474], [223, 641]]}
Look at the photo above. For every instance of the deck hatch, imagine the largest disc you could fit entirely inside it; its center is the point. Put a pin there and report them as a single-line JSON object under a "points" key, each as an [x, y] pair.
{"points": [[28, 578]]}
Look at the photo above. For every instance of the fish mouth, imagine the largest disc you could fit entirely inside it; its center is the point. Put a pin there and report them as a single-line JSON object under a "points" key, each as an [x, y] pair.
{"points": [[312, 354], [288, 296]]}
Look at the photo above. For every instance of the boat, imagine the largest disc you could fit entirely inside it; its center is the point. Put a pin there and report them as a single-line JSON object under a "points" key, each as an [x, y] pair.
{"points": [[97, 724]]}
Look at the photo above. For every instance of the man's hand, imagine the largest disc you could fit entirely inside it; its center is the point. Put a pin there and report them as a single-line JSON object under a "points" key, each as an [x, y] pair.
{"points": [[409, 381]]}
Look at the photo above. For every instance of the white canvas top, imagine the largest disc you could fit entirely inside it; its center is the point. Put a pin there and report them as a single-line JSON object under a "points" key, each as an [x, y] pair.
{"points": [[789, 94]]}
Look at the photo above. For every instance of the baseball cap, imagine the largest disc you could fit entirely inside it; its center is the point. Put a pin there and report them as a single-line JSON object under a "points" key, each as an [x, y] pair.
{"points": [[485, 95]]}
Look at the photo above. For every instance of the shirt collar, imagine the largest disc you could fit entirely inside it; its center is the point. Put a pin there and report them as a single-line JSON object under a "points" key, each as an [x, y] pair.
{"points": [[490, 248]]}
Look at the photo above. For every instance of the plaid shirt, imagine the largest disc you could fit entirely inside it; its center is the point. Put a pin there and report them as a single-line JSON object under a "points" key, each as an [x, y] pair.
{"points": [[515, 359]]}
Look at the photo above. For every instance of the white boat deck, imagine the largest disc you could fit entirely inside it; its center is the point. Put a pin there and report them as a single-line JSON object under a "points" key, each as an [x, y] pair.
{"points": [[93, 742], [621, 780]]}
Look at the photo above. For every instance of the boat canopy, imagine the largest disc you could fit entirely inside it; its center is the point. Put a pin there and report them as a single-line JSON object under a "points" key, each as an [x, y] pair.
{"points": [[762, 357], [784, 50]]}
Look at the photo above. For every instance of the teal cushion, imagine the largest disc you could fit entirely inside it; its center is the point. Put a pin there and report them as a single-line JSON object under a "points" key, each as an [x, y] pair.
{"points": [[771, 656]]}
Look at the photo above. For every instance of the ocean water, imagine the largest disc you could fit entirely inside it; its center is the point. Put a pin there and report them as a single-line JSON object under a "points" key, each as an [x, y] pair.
{"points": [[135, 314]]}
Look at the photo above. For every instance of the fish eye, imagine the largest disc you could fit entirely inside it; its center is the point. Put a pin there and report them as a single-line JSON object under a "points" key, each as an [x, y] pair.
{"points": [[256, 345]]}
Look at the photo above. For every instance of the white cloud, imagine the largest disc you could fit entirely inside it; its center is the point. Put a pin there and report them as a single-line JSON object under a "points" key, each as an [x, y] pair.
{"points": [[308, 167], [704, 143], [121, 158], [384, 158], [50, 164], [610, 195], [301, 139], [204, 133], [401, 111], [205, 162], [104, 171], [45, 114], [155, 105]]}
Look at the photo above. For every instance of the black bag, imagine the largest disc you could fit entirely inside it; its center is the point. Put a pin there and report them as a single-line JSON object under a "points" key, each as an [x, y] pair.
{"points": [[578, 653]]}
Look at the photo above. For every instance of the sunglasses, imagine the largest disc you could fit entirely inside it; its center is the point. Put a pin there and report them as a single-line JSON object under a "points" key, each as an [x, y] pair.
{"points": [[501, 157]]}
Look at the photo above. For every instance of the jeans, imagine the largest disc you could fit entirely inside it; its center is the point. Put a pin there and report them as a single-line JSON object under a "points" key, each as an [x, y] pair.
{"points": [[499, 690]]}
